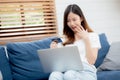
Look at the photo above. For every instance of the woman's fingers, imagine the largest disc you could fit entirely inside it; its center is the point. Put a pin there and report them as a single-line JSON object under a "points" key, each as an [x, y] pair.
{"points": [[53, 45], [81, 27]]}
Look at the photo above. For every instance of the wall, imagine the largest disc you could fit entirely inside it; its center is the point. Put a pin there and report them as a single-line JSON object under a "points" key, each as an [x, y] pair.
{"points": [[102, 15]]}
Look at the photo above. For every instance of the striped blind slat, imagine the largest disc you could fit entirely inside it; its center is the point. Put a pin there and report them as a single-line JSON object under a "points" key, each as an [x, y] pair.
{"points": [[27, 20], [26, 38], [27, 33]]}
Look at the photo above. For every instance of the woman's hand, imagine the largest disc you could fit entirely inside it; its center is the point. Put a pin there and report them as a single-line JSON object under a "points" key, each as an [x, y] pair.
{"points": [[82, 33], [53, 44]]}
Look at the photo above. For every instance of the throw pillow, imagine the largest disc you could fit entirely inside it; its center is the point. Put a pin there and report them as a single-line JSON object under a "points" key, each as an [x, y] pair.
{"points": [[4, 65], [103, 50], [111, 61], [24, 59]]}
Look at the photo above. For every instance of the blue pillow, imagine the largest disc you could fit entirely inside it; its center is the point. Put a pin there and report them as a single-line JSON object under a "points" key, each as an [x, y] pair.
{"points": [[24, 59], [4, 65], [103, 51]]}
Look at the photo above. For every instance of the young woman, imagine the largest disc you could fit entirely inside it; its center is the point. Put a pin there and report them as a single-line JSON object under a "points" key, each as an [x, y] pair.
{"points": [[78, 33]]}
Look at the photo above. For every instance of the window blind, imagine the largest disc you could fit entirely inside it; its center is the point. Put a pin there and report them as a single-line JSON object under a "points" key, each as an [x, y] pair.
{"points": [[27, 20]]}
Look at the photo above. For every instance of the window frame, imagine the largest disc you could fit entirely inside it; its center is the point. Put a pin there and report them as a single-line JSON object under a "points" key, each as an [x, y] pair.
{"points": [[31, 33]]}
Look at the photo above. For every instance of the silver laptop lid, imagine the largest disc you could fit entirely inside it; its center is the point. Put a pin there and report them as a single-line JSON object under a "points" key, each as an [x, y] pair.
{"points": [[60, 59]]}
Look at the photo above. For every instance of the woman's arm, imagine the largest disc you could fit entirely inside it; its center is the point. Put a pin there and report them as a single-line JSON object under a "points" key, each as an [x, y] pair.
{"points": [[91, 53]]}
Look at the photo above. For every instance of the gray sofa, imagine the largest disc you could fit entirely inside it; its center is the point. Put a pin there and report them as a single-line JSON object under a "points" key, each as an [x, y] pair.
{"points": [[22, 61]]}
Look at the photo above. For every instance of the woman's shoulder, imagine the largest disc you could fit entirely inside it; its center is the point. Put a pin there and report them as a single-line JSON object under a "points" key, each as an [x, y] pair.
{"points": [[92, 34], [94, 39]]}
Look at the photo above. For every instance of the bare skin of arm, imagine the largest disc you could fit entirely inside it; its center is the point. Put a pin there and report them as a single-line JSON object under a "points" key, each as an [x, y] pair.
{"points": [[91, 53]]}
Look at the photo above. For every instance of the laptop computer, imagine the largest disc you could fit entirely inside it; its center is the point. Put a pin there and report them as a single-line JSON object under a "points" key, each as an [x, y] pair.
{"points": [[60, 59]]}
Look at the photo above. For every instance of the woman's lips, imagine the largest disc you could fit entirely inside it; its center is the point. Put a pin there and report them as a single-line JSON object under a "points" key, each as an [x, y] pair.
{"points": [[73, 27]]}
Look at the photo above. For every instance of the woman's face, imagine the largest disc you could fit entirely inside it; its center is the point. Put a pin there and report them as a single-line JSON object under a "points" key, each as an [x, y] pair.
{"points": [[73, 21]]}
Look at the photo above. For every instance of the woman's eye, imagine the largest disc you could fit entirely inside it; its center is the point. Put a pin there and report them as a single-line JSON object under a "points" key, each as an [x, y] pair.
{"points": [[74, 19]]}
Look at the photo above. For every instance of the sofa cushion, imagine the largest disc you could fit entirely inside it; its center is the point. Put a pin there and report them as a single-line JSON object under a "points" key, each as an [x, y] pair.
{"points": [[24, 59], [108, 75], [111, 61], [103, 50], [4, 65]]}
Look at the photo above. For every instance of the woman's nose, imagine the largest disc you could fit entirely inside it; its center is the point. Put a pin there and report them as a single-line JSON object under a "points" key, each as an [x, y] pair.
{"points": [[71, 23]]}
